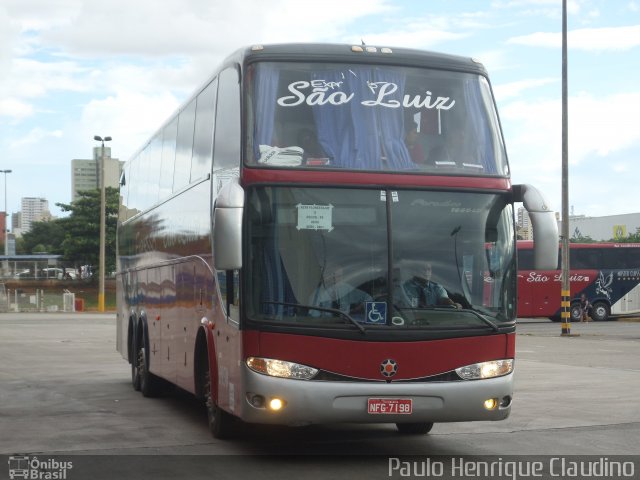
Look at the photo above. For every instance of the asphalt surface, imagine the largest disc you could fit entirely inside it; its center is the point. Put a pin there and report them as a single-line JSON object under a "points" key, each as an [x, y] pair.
{"points": [[64, 390]]}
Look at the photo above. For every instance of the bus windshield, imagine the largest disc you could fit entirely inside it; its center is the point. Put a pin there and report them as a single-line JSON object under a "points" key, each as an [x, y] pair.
{"points": [[372, 118], [335, 257]]}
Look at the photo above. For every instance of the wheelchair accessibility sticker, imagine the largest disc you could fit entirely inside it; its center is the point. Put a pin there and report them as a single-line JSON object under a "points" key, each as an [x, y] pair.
{"points": [[376, 313]]}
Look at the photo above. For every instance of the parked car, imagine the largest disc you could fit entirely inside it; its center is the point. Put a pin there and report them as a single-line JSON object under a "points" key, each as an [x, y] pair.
{"points": [[22, 274], [56, 273]]}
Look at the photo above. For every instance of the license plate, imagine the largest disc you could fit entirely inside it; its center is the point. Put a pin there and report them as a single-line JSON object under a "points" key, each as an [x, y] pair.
{"points": [[389, 406]]}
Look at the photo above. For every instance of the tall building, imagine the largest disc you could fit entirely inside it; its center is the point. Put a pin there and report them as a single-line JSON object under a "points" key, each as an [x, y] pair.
{"points": [[525, 229], [85, 174], [16, 222], [33, 210], [3, 224]]}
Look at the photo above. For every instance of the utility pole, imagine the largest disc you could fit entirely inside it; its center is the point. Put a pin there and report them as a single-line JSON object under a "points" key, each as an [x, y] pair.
{"points": [[103, 221], [6, 225], [566, 285]]}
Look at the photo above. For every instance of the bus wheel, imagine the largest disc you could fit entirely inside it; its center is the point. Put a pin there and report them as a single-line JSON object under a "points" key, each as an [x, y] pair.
{"points": [[220, 422], [600, 311], [414, 428], [576, 312], [149, 383], [135, 373]]}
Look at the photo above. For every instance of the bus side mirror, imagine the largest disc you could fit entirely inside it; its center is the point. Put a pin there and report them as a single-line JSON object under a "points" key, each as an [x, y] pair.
{"points": [[227, 227], [545, 226]]}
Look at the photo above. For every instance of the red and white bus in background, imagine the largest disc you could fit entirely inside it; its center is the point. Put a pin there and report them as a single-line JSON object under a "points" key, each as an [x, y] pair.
{"points": [[607, 273], [296, 164]]}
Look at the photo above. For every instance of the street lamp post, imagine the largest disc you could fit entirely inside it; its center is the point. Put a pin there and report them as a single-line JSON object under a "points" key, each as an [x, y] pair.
{"points": [[6, 216], [103, 220], [566, 281]]}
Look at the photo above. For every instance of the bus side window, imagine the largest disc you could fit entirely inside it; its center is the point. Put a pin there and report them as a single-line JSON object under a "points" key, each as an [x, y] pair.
{"points": [[229, 282], [203, 132], [585, 258], [525, 259], [227, 136]]}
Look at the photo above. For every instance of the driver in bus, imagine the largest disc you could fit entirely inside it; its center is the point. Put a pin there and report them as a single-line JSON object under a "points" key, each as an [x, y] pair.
{"points": [[335, 292], [423, 292]]}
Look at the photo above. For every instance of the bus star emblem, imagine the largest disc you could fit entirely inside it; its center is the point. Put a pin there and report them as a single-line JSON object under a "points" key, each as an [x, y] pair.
{"points": [[389, 367]]}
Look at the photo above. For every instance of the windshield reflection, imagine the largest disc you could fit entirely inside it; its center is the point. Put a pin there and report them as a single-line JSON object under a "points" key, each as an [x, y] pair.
{"points": [[372, 117], [322, 257]]}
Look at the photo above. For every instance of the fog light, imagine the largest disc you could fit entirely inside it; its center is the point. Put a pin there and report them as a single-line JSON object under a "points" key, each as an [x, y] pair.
{"points": [[491, 403], [257, 401], [276, 404]]}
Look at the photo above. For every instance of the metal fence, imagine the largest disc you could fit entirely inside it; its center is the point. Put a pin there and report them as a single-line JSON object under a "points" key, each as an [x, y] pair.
{"points": [[35, 300]]}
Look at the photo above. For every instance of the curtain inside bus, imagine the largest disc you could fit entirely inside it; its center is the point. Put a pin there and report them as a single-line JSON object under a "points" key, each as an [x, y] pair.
{"points": [[360, 116]]}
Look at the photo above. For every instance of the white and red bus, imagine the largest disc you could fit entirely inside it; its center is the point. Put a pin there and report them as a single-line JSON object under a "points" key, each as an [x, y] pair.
{"points": [[288, 167], [607, 273]]}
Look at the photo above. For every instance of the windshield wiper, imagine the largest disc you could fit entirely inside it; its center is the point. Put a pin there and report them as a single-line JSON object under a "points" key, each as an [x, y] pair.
{"points": [[335, 311], [483, 318], [449, 308]]}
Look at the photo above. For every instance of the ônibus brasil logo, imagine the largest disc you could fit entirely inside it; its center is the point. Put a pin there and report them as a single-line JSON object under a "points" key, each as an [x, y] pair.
{"points": [[23, 466]]}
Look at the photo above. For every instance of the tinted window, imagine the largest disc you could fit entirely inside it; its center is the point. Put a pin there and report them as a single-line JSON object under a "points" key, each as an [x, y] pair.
{"points": [[621, 257], [184, 146], [203, 136], [227, 150], [168, 158], [373, 117], [525, 259], [133, 198], [585, 258], [149, 173]]}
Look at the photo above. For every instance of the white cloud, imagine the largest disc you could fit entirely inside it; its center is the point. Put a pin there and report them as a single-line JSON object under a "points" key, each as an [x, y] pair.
{"points": [[599, 128], [604, 125], [119, 68], [419, 38], [14, 108], [34, 137], [129, 117], [514, 89], [187, 27], [589, 39]]}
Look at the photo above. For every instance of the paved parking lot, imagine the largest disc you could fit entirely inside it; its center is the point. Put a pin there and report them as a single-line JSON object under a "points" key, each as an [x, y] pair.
{"points": [[64, 389]]}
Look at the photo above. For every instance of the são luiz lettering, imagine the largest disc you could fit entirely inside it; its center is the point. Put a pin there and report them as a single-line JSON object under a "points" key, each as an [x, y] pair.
{"points": [[512, 469]]}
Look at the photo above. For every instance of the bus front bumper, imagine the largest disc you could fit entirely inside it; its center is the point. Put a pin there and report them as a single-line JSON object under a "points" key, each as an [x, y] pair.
{"points": [[306, 402]]}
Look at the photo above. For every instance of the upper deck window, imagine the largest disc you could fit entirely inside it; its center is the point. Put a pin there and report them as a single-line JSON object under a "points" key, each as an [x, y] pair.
{"points": [[372, 118]]}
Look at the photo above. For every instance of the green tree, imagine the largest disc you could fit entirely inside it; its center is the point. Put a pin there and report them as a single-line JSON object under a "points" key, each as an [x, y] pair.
{"points": [[582, 239], [631, 238], [81, 244], [44, 237]]}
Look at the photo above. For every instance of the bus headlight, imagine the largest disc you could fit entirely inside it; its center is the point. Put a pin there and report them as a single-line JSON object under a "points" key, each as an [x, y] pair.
{"points": [[280, 368], [492, 369]]}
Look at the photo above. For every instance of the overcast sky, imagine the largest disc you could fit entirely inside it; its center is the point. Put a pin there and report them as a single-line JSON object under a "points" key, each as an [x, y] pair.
{"points": [[72, 69]]}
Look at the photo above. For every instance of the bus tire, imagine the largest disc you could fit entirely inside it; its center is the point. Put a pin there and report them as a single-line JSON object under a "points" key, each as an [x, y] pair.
{"points": [[135, 373], [414, 428], [576, 312], [221, 424], [132, 356], [600, 311], [150, 385]]}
